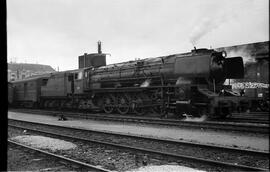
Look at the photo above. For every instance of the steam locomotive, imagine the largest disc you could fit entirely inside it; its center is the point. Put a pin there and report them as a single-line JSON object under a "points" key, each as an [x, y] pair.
{"points": [[189, 83]]}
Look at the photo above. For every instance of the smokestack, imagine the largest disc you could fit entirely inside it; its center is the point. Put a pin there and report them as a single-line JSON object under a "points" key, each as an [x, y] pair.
{"points": [[99, 47]]}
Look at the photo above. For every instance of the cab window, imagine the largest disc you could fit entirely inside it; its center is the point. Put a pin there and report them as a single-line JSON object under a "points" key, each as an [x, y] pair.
{"points": [[78, 75]]}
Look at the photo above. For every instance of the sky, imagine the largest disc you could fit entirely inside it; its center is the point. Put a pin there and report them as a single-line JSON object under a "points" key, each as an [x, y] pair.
{"points": [[56, 32]]}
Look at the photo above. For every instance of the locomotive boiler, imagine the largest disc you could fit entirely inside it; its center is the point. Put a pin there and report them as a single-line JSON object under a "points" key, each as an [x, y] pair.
{"points": [[201, 64]]}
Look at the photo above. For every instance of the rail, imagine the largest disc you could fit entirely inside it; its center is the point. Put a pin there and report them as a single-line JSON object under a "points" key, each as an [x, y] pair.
{"points": [[62, 158], [162, 153]]}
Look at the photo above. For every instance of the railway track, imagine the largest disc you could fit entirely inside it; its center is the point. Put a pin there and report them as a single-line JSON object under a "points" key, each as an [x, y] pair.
{"points": [[166, 148], [78, 164], [213, 125], [245, 120], [252, 115]]}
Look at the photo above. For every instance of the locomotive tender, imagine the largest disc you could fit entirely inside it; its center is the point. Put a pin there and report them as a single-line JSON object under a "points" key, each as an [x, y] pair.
{"points": [[189, 83]]}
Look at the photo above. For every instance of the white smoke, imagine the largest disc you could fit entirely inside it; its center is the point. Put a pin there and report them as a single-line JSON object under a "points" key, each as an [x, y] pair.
{"points": [[204, 27], [214, 15], [146, 83], [195, 119], [245, 52]]}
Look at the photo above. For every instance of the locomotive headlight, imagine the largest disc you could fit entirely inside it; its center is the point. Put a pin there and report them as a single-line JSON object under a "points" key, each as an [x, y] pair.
{"points": [[224, 54]]}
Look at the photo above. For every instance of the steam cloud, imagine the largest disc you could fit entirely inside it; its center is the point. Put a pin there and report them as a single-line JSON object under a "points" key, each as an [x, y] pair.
{"points": [[244, 51], [203, 28], [216, 14], [197, 119], [146, 83]]}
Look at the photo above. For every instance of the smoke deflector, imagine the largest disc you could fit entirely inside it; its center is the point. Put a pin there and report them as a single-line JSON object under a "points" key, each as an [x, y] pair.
{"points": [[234, 68]]}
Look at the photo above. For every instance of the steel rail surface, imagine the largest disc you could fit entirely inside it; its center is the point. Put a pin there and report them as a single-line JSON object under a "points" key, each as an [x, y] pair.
{"points": [[82, 164], [184, 157]]}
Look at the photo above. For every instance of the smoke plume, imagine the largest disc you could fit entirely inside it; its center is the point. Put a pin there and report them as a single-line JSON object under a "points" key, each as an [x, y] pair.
{"points": [[244, 51], [204, 27], [214, 15], [146, 83], [195, 119]]}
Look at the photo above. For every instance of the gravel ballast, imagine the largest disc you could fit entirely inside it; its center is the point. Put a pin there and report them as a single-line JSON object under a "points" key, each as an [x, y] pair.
{"points": [[165, 168], [218, 155], [42, 142], [111, 158], [22, 160]]}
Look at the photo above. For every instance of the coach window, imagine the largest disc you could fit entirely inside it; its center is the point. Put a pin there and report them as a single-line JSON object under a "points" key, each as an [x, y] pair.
{"points": [[76, 75]]}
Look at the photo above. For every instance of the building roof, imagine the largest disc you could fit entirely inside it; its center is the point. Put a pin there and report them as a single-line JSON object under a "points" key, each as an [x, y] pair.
{"points": [[32, 78], [258, 50], [30, 67]]}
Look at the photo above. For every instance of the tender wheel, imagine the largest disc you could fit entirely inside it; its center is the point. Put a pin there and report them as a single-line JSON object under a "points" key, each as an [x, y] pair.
{"points": [[156, 110], [46, 103], [123, 104], [108, 103], [62, 104], [68, 104], [52, 104]]}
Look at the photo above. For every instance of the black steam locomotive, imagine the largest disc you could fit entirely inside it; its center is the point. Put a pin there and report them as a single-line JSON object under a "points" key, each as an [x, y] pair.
{"points": [[189, 83]]}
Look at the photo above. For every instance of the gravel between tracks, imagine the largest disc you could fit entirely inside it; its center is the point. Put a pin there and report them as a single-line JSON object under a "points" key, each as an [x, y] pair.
{"points": [[44, 142], [241, 159], [20, 160], [165, 168], [212, 154]]}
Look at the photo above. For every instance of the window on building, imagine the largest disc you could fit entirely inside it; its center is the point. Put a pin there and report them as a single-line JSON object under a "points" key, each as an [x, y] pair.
{"points": [[44, 82]]}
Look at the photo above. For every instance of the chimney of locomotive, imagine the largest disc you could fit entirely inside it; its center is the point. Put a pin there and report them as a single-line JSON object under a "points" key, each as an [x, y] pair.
{"points": [[99, 47]]}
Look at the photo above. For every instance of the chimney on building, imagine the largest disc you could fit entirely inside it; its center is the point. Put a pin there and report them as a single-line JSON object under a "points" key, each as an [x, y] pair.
{"points": [[92, 59]]}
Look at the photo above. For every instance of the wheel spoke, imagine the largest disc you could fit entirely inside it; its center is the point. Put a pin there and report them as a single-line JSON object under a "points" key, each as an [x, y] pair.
{"points": [[108, 103], [123, 104]]}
